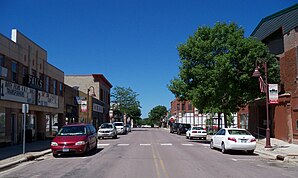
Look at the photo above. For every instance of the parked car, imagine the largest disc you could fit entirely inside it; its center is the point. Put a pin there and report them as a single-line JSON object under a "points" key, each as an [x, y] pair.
{"points": [[174, 127], [196, 132], [107, 130], [120, 127], [128, 127], [233, 139], [182, 128], [75, 138]]}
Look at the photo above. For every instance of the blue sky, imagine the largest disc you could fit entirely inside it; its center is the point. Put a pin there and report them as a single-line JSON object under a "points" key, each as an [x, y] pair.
{"points": [[133, 43]]}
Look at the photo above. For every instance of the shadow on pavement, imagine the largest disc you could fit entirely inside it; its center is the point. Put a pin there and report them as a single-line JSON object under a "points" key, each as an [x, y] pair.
{"points": [[90, 153]]}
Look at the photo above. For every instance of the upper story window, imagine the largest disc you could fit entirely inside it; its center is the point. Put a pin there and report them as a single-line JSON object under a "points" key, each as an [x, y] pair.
{"points": [[101, 94], [55, 87], [61, 89], [34, 72], [183, 107], [47, 84], [189, 106], [1, 60], [14, 71], [178, 106]]}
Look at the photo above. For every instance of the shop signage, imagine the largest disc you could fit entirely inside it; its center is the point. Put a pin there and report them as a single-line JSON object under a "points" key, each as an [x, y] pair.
{"points": [[273, 94], [15, 92], [47, 99], [97, 108], [84, 106], [34, 82]]}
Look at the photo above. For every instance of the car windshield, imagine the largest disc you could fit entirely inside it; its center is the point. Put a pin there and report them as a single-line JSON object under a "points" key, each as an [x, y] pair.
{"points": [[118, 124], [106, 126], [72, 130], [197, 128], [238, 132]]}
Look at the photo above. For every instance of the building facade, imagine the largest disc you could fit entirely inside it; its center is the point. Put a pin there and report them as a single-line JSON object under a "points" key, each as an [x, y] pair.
{"points": [[95, 94], [27, 78], [279, 32]]}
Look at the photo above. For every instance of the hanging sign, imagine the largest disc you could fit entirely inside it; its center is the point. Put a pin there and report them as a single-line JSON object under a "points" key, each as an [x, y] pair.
{"points": [[84, 105], [273, 94]]}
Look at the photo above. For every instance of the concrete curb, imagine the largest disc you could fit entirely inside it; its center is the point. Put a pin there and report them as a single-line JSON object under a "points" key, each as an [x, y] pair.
{"points": [[28, 157]]}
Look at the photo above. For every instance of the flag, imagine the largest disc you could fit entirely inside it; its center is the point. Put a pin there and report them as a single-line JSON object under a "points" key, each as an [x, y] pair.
{"points": [[262, 85]]}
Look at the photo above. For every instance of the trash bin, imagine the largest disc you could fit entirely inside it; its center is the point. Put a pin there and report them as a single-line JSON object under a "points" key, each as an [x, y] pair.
{"points": [[28, 135]]}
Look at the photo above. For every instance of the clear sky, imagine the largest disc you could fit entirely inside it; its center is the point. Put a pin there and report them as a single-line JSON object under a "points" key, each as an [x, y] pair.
{"points": [[133, 43]]}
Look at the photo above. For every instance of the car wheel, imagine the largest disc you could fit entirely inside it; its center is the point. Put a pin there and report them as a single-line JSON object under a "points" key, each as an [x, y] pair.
{"points": [[211, 144], [186, 136], [55, 155], [223, 148], [115, 137], [250, 152]]}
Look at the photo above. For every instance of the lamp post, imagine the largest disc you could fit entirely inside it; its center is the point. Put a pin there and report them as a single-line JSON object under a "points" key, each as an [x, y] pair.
{"points": [[258, 75], [88, 90], [111, 115]]}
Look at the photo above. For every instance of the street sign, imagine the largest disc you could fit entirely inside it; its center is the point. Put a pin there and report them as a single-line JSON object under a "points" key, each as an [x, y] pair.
{"points": [[25, 108]]}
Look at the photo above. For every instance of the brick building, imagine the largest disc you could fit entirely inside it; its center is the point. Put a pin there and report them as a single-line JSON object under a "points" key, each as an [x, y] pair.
{"points": [[98, 104], [27, 78], [279, 32]]}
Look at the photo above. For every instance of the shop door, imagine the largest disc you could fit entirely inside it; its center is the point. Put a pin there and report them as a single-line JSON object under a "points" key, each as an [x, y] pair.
{"points": [[13, 128]]}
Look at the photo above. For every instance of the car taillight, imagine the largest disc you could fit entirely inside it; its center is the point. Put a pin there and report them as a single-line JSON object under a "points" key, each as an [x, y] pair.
{"points": [[232, 139], [194, 132], [253, 140]]}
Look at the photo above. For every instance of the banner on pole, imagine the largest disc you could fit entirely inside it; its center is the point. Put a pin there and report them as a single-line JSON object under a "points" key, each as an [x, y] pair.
{"points": [[273, 94]]}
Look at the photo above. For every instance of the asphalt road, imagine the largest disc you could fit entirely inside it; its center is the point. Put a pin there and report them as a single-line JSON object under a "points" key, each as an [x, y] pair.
{"points": [[153, 153]]}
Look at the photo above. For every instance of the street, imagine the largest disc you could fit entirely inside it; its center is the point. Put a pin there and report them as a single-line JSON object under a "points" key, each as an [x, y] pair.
{"points": [[153, 153]]}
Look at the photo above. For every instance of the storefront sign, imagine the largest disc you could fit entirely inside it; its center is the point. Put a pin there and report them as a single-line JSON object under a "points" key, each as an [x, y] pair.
{"points": [[15, 92], [35, 82], [47, 99], [273, 94], [97, 108], [84, 106]]}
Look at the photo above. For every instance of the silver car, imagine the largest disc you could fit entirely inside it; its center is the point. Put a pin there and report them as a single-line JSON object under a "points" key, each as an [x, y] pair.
{"points": [[107, 130]]}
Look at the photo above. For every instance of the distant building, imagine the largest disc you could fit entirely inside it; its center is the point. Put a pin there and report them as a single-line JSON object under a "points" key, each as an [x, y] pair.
{"points": [[279, 32], [27, 78], [98, 102]]}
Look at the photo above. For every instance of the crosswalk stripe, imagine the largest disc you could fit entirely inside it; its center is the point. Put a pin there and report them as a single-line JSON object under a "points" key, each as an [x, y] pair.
{"points": [[122, 144], [187, 144], [145, 144], [103, 144]]}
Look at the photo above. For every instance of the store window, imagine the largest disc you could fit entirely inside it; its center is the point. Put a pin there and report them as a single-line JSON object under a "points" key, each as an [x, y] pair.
{"points": [[14, 71]]}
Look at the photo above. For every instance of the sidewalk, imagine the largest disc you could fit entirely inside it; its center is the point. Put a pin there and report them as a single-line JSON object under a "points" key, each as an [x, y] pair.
{"points": [[12, 155]]}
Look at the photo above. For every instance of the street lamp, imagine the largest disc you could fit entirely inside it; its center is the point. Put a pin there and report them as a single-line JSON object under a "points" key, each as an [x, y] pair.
{"points": [[88, 90], [258, 75], [111, 115]]}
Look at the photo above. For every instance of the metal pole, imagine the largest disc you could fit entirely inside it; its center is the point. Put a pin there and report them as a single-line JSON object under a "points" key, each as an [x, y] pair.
{"points": [[87, 105], [268, 145], [24, 136]]}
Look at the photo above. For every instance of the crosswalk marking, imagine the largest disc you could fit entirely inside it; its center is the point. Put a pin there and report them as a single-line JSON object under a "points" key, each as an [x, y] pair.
{"points": [[187, 144], [145, 144], [166, 144], [123, 144], [103, 144]]}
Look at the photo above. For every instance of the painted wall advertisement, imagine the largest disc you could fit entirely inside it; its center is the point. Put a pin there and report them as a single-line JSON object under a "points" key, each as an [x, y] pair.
{"points": [[15, 92], [47, 99], [273, 94]]}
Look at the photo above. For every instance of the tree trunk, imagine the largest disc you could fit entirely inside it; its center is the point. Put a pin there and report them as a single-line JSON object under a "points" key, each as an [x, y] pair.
{"points": [[218, 120], [226, 120]]}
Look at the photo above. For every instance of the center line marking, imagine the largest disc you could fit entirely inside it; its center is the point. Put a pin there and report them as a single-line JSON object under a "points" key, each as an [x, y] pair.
{"points": [[123, 144], [103, 144], [145, 144], [166, 144]]}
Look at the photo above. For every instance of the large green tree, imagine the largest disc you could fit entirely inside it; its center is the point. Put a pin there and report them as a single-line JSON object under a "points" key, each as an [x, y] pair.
{"points": [[216, 68], [126, 102], [157, 113]]}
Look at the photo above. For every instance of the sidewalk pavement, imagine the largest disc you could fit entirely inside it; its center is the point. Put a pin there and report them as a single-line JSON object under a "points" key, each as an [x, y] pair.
{"points": [[12, 155]]}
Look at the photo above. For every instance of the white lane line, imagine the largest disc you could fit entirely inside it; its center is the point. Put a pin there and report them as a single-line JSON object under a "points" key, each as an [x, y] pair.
{"points": [[166, 144], [145, 144], [123, 144], [242, 159], [103, 144], [187, 144]]}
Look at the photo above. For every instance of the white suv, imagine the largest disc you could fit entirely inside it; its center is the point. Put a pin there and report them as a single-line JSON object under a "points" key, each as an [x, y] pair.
{"points": [[120, 127]]}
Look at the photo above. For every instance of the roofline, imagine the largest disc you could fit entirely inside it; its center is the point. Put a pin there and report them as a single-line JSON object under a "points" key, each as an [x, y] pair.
{"points": [[104, 79], [279, 13]]}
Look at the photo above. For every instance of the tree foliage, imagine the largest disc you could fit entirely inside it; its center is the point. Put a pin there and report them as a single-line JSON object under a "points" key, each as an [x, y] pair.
{"points": [[126, 101], [216, 68], [157, 113]]}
